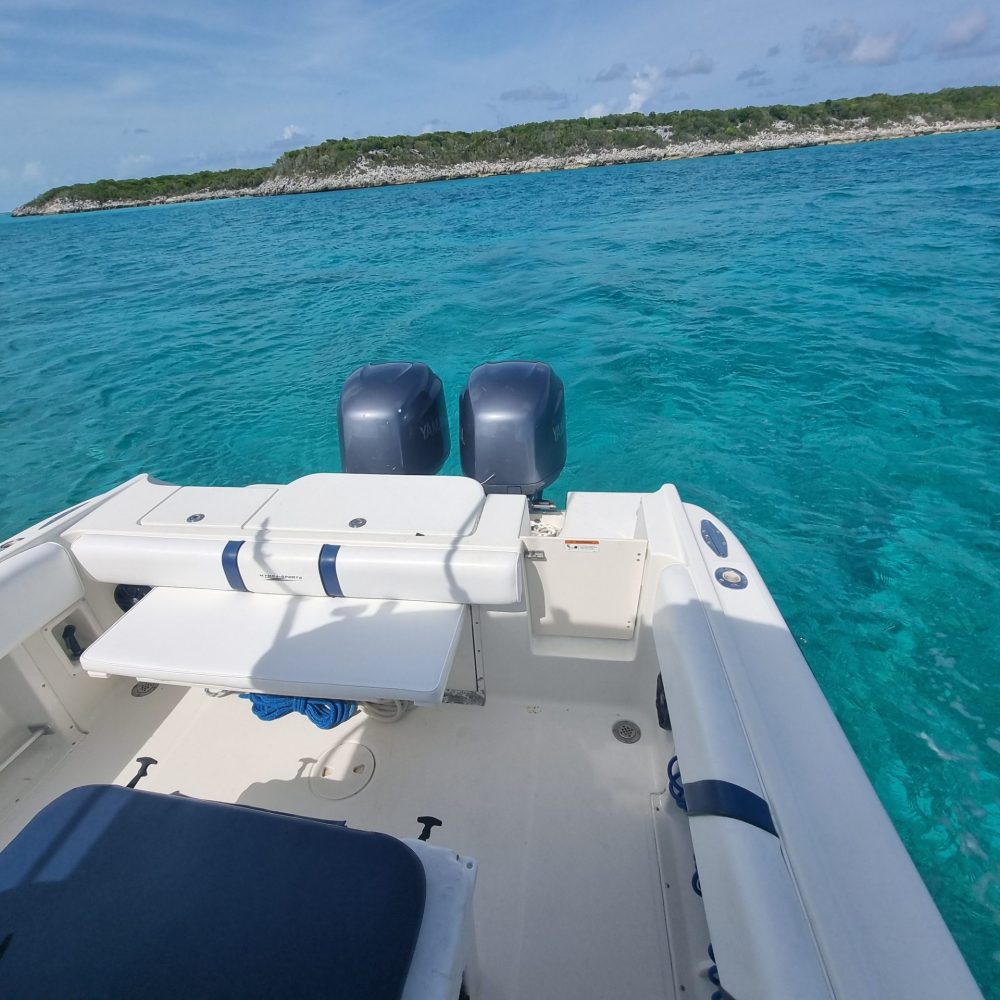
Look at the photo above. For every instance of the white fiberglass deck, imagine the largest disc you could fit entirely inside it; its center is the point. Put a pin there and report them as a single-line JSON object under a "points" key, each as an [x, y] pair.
{"points": [[559, 815], [625, 607]]}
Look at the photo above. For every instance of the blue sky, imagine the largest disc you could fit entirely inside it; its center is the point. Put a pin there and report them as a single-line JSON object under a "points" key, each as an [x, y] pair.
{"points": [[98, 88]]}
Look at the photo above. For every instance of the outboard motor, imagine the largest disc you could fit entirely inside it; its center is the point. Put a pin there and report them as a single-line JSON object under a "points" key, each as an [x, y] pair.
{"points": [[392, 420], [512, 417]]}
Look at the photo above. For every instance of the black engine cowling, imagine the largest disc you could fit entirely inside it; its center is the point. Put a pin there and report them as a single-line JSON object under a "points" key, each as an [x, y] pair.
{"points": [[512, 417], [393, 421]]}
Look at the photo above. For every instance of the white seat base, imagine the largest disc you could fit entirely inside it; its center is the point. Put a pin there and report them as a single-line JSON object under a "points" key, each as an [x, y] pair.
{"points": [[445, 953]]}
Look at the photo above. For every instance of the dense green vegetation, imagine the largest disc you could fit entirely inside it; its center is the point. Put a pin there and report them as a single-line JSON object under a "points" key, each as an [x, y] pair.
{"points": [[148, 188], [961, 104], [583, 135], [516, 142], [556, 138]]}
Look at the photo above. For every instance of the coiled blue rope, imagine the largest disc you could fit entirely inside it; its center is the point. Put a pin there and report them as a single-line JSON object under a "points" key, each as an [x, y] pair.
{"points": [[675, 785], [713, 976], [324, 712]]}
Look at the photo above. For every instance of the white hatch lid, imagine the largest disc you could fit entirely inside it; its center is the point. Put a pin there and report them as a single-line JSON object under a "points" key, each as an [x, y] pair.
{"points": [[208, 506], [339, 502]]}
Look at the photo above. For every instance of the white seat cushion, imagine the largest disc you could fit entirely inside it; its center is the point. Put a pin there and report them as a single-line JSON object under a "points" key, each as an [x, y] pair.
{"points": [[452, 574], [332, 501], [302, 646]]}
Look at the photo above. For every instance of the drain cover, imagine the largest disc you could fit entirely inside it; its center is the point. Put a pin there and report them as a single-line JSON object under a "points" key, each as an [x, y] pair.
{"points": [[342, 771], [141, 688], [626, 731]]}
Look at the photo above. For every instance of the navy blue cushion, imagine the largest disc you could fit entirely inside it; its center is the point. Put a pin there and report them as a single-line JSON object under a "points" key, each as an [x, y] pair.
{"points": [[113, 892]]}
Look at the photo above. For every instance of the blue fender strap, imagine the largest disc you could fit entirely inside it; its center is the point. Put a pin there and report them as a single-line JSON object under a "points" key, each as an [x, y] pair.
{"points": [[723, 798], [231, 567], [328, 570]]}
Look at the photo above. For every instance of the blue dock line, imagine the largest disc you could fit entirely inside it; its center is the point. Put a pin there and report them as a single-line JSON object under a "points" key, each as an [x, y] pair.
{"points": [[675, 785], [324, 712]]}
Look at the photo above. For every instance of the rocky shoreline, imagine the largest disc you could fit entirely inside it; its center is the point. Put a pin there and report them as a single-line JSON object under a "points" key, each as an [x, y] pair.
{"points": [[367, 174]]}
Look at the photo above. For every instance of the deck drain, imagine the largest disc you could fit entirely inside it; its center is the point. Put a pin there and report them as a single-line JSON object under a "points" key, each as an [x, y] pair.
{"points": [[626, 731], [141, 688]]}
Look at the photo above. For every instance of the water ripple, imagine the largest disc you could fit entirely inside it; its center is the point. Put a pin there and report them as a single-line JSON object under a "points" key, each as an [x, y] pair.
{"points": [[804, 341]]}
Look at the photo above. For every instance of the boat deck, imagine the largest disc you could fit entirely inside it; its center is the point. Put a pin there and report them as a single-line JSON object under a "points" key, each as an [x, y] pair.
{"points": [[576, 847]]}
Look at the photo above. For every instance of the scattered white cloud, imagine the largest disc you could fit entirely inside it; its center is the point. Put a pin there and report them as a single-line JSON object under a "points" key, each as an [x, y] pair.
{"points": [[696, 62], [200, 80], [754, 77], [879, 50], [132, 164], [645, 84], [963, 32], [615, 72], [196, 160], [32, 172], [842, 41], [500, 119], [833, 42], [539, 92], [650, 82], [292, 137], [129, 84]]}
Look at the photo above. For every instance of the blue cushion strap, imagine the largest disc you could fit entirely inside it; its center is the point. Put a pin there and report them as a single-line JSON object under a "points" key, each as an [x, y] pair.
{"points": [[723, 798], [231, 567], [328, 570]]}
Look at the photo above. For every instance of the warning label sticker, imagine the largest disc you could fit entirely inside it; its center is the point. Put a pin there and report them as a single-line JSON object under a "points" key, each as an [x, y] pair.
{"points": [[582, 544]]}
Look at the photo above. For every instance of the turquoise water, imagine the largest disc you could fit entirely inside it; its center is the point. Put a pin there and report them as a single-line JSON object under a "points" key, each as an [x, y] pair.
{"points": [[806, 342]]}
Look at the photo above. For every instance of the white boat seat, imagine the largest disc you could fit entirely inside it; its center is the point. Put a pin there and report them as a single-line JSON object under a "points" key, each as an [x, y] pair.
{"points": [[300, 646], [110, 891], [400, 538], [449, 574]]}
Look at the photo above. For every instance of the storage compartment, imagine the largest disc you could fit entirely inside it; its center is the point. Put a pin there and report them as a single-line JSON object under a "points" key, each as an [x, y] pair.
{"points": [[586, 588], [400, 505], [208, 507], [70, 634]]}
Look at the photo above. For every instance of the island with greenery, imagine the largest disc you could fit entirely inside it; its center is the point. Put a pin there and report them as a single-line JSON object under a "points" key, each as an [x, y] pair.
{"points": [[554, 145]]}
